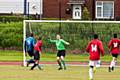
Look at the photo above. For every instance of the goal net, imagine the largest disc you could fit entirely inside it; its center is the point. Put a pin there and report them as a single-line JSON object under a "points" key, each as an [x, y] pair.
{"points": [[78, 33]]}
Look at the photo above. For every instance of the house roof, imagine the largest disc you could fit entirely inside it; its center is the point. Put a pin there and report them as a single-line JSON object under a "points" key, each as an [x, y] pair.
{"points": [[76, 2]]}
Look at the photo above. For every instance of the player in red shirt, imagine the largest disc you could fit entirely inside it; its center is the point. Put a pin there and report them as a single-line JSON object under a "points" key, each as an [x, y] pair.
{"points": [[37, 52], [114, 46], [94, 48]]}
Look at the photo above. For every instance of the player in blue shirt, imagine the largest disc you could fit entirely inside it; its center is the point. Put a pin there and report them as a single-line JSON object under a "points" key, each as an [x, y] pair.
{"points": [[29, 48]]}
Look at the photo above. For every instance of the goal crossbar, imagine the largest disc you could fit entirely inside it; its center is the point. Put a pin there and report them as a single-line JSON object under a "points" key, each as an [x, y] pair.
{"points": [[70, 21]]}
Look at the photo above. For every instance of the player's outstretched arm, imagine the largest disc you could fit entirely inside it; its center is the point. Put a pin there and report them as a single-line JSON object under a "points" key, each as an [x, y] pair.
{"points": [[52, 41], [65, 42]]}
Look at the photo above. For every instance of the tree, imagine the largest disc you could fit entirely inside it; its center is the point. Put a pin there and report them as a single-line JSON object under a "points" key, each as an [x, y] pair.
{"points": [[86, 14]]}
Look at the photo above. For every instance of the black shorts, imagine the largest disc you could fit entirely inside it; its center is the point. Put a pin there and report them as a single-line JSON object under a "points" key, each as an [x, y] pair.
{"points": [[115, 55], [36, 55], [61, 53], [31, 53]]}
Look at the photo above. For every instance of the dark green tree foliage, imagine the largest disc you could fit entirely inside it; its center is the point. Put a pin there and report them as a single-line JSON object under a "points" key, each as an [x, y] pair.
{"points": [[85, 14]]}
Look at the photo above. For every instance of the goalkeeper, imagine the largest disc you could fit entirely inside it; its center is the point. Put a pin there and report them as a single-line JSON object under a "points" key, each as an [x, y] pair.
{"points": [[61, 51]]}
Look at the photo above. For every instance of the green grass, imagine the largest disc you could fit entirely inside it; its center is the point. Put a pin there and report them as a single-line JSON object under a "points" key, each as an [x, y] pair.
{"points": [[7, 55], [51, 73], [18, 56]]}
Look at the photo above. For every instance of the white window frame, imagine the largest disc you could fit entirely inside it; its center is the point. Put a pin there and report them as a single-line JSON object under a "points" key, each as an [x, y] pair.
{"points": [[102, 17]]}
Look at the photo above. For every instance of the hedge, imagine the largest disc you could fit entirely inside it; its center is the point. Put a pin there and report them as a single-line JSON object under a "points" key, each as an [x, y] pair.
{"points": [[14, 18], [11, 35]]}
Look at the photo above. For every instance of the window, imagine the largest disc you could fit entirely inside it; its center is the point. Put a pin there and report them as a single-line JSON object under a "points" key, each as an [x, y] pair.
{"points": [[99, 12], [77, 13], [105, 9]]}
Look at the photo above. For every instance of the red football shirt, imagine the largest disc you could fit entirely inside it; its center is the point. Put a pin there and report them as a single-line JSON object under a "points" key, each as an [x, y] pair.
{"points": [[94, 48], [38, 45], [114, 45]]}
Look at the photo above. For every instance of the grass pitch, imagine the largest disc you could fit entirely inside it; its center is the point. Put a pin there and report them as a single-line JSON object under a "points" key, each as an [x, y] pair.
{"points": [[6, 55], [50, 72]]}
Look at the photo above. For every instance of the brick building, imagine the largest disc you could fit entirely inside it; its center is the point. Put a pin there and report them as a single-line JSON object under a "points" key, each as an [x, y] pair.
{"points": [[67, 9], [98, 9]]}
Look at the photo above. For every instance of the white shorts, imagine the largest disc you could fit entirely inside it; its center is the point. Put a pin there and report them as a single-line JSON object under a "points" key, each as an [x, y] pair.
{"points": [[95, 63]]}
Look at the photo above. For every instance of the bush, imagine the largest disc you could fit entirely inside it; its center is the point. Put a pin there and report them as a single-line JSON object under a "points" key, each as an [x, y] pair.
{"points": [[13, 18], [86, 14], [11, 35]]}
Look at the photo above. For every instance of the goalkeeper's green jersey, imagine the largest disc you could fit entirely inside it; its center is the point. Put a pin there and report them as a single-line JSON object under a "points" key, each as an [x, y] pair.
{"points": [[59, 44]]}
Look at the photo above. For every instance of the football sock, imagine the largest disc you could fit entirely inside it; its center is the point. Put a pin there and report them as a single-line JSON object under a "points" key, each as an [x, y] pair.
{"points": [[33, 66], [39, 66], [59, 63], [109, 69], [91, 73], [94, 69], [112, 64], [28, 63], [63, 62]]}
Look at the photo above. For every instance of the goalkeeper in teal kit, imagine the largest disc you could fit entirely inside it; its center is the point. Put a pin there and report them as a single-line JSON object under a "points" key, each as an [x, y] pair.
{"points": [[61, 51]]}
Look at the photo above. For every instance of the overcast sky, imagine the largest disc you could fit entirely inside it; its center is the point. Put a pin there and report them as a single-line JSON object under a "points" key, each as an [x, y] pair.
{"points": [[17, 6]]}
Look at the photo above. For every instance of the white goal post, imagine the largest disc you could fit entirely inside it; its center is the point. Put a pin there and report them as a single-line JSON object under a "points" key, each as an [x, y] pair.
{"points": [[54, 21]]}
